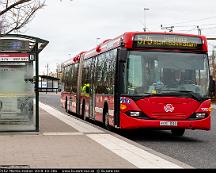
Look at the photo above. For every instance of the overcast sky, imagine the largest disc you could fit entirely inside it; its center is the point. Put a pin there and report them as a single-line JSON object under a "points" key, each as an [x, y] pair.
{"points": [[74, 26]]}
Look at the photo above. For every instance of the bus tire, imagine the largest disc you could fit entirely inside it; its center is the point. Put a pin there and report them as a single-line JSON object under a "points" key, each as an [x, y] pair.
{"points": [[177, 132]]}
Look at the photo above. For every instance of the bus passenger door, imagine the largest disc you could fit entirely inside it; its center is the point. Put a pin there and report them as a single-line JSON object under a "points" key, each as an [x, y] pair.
{"points": [[92, 90], [119, 82]]}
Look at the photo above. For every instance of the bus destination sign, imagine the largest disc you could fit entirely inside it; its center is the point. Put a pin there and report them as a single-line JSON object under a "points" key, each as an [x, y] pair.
{"points": [[167, 41]]}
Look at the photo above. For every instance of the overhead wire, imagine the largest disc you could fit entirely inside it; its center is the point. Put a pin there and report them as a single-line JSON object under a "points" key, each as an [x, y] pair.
{"points": [[195, 20], [195, 26]]}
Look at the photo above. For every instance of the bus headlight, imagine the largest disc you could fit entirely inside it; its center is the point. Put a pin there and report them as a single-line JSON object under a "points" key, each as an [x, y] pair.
{"points": [[137, 114], [134, 114], [200, 115]]}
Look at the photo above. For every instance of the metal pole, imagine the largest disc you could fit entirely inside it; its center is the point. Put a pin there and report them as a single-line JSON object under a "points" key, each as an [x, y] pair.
{"points": [[47, 66], [36, 86], [145, 9], [57, 70], [98, 41], [199, 30]]}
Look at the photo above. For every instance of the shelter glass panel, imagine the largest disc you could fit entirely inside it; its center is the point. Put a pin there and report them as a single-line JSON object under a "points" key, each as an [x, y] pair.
{"points": [[17, 108]]}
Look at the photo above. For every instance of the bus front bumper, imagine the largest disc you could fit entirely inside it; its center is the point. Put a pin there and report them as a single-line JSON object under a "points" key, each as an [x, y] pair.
{"points": [[127, 122]]}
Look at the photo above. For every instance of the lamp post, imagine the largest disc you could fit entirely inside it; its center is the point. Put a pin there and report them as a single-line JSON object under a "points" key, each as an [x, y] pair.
{"points": [[145, 9], [47, 69], [199, 30], [98, 40]]}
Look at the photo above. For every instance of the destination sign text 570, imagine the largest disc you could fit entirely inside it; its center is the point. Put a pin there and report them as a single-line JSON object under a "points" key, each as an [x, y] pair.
{"points": [[167, 41]]}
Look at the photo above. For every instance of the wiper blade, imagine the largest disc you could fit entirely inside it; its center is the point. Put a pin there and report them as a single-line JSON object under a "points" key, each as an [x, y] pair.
{"points": [[196, 96]]}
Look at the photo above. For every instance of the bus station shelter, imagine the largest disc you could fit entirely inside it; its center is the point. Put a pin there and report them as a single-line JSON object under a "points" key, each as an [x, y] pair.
{"points": [[48, 84], [19, 94]]}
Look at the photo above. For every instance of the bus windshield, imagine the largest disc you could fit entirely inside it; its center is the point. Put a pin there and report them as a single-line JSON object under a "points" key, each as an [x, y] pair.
{"points": [[163, 72]]}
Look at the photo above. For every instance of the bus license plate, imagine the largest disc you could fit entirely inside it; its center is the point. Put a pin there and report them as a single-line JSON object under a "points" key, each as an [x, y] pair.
{"points": [[168, 123]]}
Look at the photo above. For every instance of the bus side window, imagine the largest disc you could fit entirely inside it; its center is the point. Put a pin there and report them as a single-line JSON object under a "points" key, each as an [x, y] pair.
{"points": [[105, 71], [99, 75], [110, 71], [86, 73]]}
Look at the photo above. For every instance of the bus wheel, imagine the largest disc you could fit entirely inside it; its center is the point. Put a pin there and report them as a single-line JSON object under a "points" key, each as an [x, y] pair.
{"points": [[178, 132]]}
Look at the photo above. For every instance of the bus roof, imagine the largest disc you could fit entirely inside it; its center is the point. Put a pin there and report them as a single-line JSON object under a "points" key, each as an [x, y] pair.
{"points": [[127, 40], [73, 60]]}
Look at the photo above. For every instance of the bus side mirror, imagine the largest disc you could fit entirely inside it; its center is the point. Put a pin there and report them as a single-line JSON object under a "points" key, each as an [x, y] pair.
{"points": [[122, 55]]}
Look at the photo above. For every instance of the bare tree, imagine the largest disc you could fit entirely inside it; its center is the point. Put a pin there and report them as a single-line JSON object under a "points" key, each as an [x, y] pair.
{"points": [[15, 14]]}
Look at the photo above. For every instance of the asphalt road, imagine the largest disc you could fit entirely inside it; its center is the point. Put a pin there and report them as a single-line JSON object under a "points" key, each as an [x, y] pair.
{"points": [[196, 148]]}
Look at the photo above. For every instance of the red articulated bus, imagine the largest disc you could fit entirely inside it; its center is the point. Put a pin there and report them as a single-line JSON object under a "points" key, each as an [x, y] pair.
{"points": [[142, 80]]}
